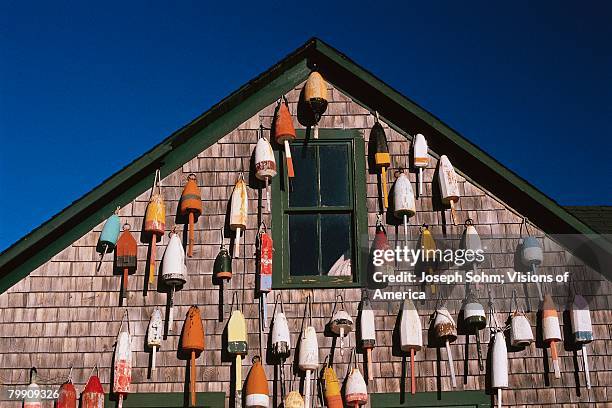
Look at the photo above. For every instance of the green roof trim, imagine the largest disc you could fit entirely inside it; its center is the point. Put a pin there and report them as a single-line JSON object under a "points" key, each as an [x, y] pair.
{"points": [[60, 231]]}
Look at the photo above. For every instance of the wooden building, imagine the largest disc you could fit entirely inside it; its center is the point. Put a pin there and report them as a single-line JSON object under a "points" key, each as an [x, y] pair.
{"points": [[58, 312]]}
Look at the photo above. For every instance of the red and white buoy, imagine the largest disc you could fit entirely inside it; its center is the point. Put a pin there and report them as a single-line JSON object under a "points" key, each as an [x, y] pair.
{"points": [[404, 205], [411, 336], [33, 398], [122, 373], [266, 250], [356, 388], [154, 334], [582, 330], [420, 158], [239, 211], [551, 331], [449, 186], [67, 397], [93, 394], [265, 164], [367, 326]]}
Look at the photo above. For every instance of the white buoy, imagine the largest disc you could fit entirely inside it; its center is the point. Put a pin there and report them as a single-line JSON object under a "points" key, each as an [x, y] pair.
{"points": [[582, 329], [308, 359], [446, 331], [521, 334], [356, 389], [449, 187], [403, 201], [239, 209], [265, 164], [551, 331], [533, 257], [32, 398], [411, 336], [122, 373], [475, 320], [420, 158], [472, 242], [341, 324], [174, 271], [154, 334], [499, 365], [281, 339], [367, 326]]}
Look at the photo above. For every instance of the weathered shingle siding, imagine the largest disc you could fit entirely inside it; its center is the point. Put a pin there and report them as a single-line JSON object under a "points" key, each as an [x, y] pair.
{"points": [[65, 313]]}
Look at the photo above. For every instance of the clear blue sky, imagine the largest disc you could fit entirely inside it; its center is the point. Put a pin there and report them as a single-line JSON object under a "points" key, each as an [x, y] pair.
{"points": [[84, 90]]}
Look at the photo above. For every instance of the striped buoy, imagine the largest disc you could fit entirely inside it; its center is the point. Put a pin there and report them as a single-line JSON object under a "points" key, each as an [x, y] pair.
{"points": [[367, 325], [420, 157], [308, 359], [499, 365], [356, 388], [449, 187], [315, 96], [411, 336], [551, 331], [239, 209], [122, 373], [174, 271], [191, 205], [265, 164], [108, 236], [533, 257], [192, 342], [341, 323], [284, 132], [126, 259], [475, 320], [33, 399], [154, 334], [93, 394], [333, 396], [582, 330], [265, 252], [257, 392], [445, 330], [403, 201], [382, 158], [155, 221]]}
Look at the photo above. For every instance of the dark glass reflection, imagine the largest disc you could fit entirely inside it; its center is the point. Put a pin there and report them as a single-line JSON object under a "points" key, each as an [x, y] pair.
{"points": [[334, 175], [303, 244], [336, 250], [303, 192]]}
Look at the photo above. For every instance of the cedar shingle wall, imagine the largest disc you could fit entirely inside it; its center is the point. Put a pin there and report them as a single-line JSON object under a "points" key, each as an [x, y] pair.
{"points": [[66, 314]]}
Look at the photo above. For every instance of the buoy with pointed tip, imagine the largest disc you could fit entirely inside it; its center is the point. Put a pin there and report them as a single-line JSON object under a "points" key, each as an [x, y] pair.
{"points": [[428, 245], [449, 186], [471, 242], [420, 158], [174, 271], [475, 320], [155, 222], [237, 342], [551, 331], [93, 394], [315, 96], [333, 395], [367, 326], [67, 396], [222, 271], [122, 369], [380, 245], [446, 331], [341, 323], [308, 359], [265, 163], [32, 398], [582, 329], [266, 249], [521, 334], [191, 205], [126, 258], [257, 391], [533, 256], [411, 336], [294, 400], [154, 334], [192, 342], [382, 158], [239, 211], [108, 236], [499, 365], [281, 337], [356, 388], [284, 132], [403, 201]]}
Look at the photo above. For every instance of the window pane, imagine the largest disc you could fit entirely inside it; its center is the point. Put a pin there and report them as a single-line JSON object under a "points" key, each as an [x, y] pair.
{"points": [[334, 175], [336, 244], [303, 191], [303, 245]]}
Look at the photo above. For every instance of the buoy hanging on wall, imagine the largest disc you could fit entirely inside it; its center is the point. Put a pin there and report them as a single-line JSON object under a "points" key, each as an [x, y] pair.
{"points": [[411, 336], [281, 338], [108, 236], [67, 397], [294, 400], [341, 323], [237, 343], [403, 201], [193, 343], [521, 334], [154, 334], [222, 270], [427, 244], [174, 271], [449, 186], [420, 157], [309, 353], [93, 394], [155, 221], [265, 252], [356, 388], [257, 391], [284, 132], [471, 242], [582, 330], [265, 164], [333, 396], [499, 365], [122, 373], [367, 326], [315, 96], [239, 211], [533, 257], [382, 158], [475, 320], [126, 259], [445, 331], [191, 205], [33, 399], [551, 331]]}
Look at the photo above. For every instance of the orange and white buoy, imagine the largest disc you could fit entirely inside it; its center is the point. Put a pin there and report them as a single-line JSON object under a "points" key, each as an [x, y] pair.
{"points": [[356, 388], [315, 96], [411, 336], [551, 331], [122, 373], [420, 157], [403, 201], [154, 334], [155, 221], [265, 164], [93, 394], [33, 399], [192, 342], [257, 391], [284, 132], [446, 331], [174, 271], [67, 397], [239, 210], [449, 186], [333, 396], [191, 205]]}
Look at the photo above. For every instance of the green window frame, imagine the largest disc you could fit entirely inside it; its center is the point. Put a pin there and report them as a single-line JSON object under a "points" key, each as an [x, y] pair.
{"points": [[282, 279]]}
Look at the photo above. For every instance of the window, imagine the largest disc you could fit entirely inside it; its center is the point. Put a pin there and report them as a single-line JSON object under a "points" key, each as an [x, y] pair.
{"points": [[319, 218]]}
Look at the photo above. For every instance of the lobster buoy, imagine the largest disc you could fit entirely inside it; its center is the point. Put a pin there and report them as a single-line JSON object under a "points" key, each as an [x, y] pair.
{"points": [[93, 394], [191, 205], [551, 331], [471, 242], [341, 324], [294, 400], [499, 365], [449, 187], [239, 211], [33, 399], [67, 397], [154, 334], [284, 132], [381, 245], [193, 343], [174, 271], [237, 342], [315, 96], [155, 222], [308, 359], [122, 373], [222, 271], [475, 320], [582, 330], [420, 157], [257, 391], [533, 257], [427, 244], [126, 258], [521, 334], [382, 158], [403, 201], [356, 389], [265, 164], [333, 396], [367, 327], [445, 331], [266, 249], [108, 236], [411, 336], [281, 338]]}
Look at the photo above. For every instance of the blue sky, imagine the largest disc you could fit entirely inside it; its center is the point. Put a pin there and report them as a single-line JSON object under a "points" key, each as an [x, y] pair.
{"points": [[85, 89]]}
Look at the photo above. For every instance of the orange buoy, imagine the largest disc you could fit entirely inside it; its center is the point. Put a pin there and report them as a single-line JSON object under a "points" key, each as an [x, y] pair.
{"points": [[257, 392], [191, 205], [155, 221], [551, 331], [315, 96], [67, 397], [333, 396], [93, 394], [126, 258], [284, 132], [193, 342]]}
